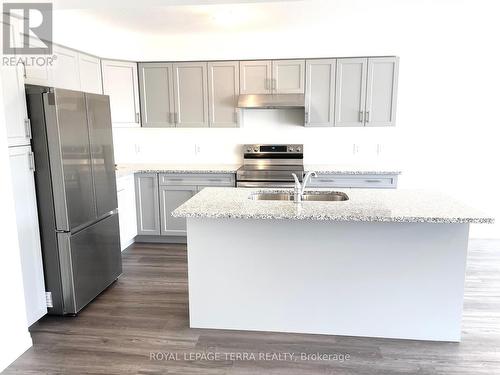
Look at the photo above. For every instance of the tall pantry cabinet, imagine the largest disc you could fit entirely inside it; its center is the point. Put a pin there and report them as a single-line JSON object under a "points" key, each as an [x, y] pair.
{"points": [[22, 176]]}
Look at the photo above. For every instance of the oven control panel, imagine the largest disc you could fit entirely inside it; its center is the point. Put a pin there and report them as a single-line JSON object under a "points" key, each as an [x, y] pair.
{"points": [[273, 149]]}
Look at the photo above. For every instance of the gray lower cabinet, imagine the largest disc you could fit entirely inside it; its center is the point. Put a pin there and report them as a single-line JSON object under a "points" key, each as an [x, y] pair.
{"points": [[320, 92], [172, 197], [367, 181], [156, 87], [158, 194], [147, 203]]}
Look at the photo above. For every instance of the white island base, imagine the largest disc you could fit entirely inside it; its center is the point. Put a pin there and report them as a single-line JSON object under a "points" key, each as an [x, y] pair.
{"points": [[377, 279]]}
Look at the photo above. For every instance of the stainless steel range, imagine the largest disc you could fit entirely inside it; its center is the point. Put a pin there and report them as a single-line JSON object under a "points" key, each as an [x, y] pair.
{"points": [[270, 166]]}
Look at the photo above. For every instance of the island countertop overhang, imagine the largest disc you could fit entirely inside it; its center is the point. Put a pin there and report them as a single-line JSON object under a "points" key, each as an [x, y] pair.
{"points": [[364, 205]]}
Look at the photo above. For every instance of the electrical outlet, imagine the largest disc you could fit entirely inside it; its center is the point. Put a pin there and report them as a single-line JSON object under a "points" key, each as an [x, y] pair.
{"points": [[355, 149], [137, 148], [197, 149]]}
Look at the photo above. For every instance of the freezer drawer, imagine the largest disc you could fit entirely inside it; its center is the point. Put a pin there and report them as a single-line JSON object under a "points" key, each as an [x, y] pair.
{"points": [[90, 262]]}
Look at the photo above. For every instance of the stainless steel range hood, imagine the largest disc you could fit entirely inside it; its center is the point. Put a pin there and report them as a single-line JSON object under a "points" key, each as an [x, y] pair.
{"points": [[271, 101]]}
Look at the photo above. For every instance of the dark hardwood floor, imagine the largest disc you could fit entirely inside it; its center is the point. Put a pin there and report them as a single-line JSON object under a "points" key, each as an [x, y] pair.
{"points": [[146, 311]]}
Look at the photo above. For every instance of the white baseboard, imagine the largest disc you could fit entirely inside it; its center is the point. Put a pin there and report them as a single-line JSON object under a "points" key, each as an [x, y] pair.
{"points": [[14, 350], [127, 243]]}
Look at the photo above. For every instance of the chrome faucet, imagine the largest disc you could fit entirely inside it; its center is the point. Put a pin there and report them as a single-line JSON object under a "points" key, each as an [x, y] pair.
{"points": [[298, 190]]}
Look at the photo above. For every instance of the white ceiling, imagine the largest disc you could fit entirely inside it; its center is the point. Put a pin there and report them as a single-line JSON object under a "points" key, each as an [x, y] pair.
{"points": [[193, 16]]}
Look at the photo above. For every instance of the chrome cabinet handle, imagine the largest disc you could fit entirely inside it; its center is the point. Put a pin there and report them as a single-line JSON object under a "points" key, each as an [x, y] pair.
{"points": [[367, 116], [236, 118], [372, 181], [361, 116], [24, 69], [307, 117], [274, 83], [31, 158], [27, 126], [137, 119], [267, 83]]}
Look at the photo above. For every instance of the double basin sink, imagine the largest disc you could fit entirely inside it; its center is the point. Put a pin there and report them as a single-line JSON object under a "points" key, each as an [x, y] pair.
{"points": [[330, 196]]}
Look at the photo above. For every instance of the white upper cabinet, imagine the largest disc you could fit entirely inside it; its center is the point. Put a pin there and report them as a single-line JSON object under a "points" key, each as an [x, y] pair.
{"points": [[223, 91], [320, 92], [120, 82], [288, 76], [191, 94], [16, 117], [156, 86], [381, 91], [70, 70], [350, 92], [256, 77], [90, 73], [65, 72]]}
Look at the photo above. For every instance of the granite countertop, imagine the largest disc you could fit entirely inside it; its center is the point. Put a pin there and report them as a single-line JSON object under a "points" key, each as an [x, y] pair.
{"points": [[375, 205], [353, 169], [126, 169]]}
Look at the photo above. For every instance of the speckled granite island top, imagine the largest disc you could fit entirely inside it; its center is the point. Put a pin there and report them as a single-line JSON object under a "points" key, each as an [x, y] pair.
{"points": [[405, 206]]}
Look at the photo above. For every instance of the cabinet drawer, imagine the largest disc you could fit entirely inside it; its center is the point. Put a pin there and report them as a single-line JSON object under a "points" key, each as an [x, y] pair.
{"points": [[206, 179], [354, 181]]}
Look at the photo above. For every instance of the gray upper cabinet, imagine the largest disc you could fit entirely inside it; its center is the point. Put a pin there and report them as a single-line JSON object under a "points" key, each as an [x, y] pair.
{"points": [[255, 77], [381, 91], [223, 91], [346, 92], [350, 92], [147, 204], [268, 77], [190, 94], [156, 94], [320, 92], [288, 76]]}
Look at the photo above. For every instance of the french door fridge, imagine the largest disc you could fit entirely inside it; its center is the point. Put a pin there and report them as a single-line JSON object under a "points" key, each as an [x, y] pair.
{"points": [[76, 194]]}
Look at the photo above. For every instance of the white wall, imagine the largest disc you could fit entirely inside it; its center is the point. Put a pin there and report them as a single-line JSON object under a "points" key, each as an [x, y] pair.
{"points": [[446, 135], [14, 337]]}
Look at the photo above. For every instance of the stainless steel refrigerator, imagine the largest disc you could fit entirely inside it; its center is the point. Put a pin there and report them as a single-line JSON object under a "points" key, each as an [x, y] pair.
{"points": [[76, 194]]}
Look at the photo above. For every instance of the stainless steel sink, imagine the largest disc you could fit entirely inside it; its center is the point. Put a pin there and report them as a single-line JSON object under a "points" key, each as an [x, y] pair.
{"points": [[335, 196], [323, 196], [271, 197]]}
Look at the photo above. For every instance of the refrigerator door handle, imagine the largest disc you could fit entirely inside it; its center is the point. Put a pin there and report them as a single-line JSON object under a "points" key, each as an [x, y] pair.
{"points": [[56, 162], [67, 277]]}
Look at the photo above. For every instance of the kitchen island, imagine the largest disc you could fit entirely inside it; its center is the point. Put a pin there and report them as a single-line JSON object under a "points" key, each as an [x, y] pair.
{"points": [[384, 263]]}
